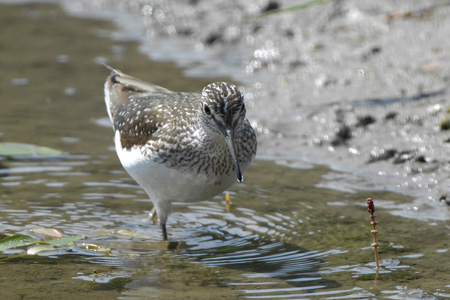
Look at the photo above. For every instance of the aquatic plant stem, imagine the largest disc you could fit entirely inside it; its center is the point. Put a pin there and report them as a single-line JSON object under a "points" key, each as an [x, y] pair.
{"points": [[227, 202], [371, 210]]}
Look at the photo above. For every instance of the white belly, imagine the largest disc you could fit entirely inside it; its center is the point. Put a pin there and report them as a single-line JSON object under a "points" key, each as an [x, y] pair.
{"points": [[167, 184]]}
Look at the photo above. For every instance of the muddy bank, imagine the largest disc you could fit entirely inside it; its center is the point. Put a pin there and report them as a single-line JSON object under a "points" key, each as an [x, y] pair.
{"points": [[357, 85]]}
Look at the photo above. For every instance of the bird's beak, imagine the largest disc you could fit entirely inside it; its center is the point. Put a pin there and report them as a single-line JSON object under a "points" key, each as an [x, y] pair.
{"points": [[229, 139]]}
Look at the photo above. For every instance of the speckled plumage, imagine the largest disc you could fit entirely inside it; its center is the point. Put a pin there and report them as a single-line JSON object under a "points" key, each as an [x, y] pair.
{"points": [[179, 146]]}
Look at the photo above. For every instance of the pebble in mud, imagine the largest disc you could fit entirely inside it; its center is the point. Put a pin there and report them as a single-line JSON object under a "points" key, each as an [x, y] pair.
{"points": [[343, 133], [404, 156], [445, 199], [364, 121], [381, 154]]}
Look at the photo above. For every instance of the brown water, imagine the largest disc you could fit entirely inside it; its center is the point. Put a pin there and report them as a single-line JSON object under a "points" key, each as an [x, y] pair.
{"points": [[285, 235]]}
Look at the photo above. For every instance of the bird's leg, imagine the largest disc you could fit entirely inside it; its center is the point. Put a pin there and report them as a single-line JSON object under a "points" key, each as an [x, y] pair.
{"points": [[152, 216], [163, 209], [164, 231]]}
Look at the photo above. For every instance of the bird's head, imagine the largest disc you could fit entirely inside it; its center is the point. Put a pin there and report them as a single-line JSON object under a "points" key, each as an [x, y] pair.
{"points": [[223, 111]]}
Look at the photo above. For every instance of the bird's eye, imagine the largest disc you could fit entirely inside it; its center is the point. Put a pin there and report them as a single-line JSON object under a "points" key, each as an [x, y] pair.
{"points": [[206, 109]]}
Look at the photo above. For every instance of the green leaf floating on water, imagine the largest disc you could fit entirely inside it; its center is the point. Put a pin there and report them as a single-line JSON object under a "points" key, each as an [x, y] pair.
{"points": [[21, 240], [12, 150], [64, 240], [39, 248], [128, 232], [17, 240]]}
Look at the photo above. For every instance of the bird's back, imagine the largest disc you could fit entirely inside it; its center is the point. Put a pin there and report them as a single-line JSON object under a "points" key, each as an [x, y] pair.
{"points": [[143, 112]]}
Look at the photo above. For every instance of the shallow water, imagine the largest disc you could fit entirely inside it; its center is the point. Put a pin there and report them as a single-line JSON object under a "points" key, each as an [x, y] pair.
{"points": [[289, 233]]}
